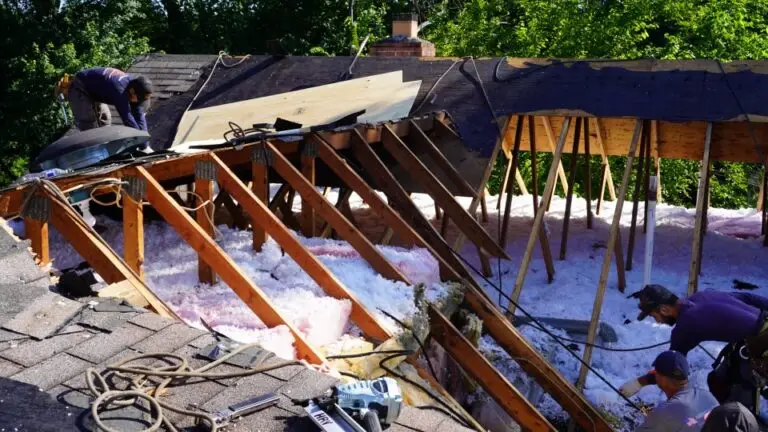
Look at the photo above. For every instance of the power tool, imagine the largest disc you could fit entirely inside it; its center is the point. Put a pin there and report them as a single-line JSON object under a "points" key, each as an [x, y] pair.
{"points": [[373, 403]]}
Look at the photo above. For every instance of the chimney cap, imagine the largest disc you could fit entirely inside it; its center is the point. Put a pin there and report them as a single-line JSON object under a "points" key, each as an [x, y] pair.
{"points": [[405, 17]]}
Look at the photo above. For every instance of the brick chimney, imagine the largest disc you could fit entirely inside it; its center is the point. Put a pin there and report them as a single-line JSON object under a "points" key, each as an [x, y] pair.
{"points": [[404, 41]]}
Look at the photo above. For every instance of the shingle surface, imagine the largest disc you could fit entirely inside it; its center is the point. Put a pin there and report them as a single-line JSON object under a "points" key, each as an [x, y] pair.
{"points": [[53, 371], [105, 345], [32, 352], [151, 321], [8, 368], [44, 316], [168, 339]]}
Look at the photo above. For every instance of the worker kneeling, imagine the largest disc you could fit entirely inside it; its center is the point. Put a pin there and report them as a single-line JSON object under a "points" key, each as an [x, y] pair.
{"points": [[91, 90], [685, 406]]}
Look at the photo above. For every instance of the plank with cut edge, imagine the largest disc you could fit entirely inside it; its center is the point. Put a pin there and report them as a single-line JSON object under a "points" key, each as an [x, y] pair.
{"points": [[333, 216], [463, 219], [222, 264], [309, 263], [37, 233]]}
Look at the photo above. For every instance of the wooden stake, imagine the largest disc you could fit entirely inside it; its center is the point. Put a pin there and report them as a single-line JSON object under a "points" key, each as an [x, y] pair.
{"points": [[538, 221], [534, 364], [133, 233], [552, 146], [646, 182], [442, 196], [510, 187], [636, 195], [308, 262], [572, 182], [333, 216], [204, 174], [480, 369], [534, 168], [420, 140], [260, 188], [612, 237], [588, 174], [693, 272]]}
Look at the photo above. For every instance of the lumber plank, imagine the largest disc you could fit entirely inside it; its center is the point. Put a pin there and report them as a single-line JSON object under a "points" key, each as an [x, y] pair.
{"points": [[572, 182], [534, 167], [260, 189], [534, 364], [133, 234], [37, 232], [463, 219], [587, 173], [610, 248], [419, 139], [644, 142], [647, 178], [260, 214], [479, 368], [510, 191], [693, 273], [238, 218], [344, 194], [204, 217], [333, 216], [604, 171], [308, 172], [100, 255], [194, 235], [604, 156], [538, 221], [549, 137]]}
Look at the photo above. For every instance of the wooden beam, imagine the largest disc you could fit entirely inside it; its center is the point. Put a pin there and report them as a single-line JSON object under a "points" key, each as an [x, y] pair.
{"points": [[279, 197], [552, 147], [442, 196], [37, 232], [604, 155], [656, 159], [693, 271], [344, 194], [481, 370], [510, 191], [421, 141], [333, 216], [238, 218], [133, 228], [308, 262], [647, 179], [572, 182], [534, 167], [104, 260], [587, 174], [204, 176], [705, 218], [260, 188], [644, 143], [534, 364], [308, 155], [609, 251], [538, 220], [483, 204], [761, 193], [765, 207]]}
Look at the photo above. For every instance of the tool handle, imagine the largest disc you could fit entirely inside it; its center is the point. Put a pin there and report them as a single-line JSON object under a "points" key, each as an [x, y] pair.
{"points": [[371, 421]]}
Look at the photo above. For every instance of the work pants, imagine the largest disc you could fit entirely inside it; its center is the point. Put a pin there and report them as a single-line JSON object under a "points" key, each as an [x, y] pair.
{"points": [[88, 113]]}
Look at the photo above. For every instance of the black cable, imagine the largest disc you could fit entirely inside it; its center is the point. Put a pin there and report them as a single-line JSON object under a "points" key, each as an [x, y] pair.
{"points": [[421, 346]]}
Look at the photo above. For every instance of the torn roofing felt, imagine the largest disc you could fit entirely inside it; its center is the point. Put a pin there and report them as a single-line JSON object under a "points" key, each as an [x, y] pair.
{"points": [[649, 89]]}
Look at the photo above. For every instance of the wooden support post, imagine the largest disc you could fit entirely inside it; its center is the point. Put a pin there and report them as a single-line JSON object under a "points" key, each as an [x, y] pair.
{"points": [[588, 174], [279, 197], [260, 163], [560, 170], [620, 272], [534, 364], [238, 218], [483, 205], [308, 154], [104, 260], [308, 262], [645, 141], [538, 221], [420, 140], [572, 182], [333, 216], [646, 181], [510, 187], [612, 237], [36, 216], [344, 194], [656, 159], [438, 213], [534, 168], [705, 219], [205, 174], [133, 225], [693, 273], [606, 176], [442, 196], [603, 181], [481, 370], [761, 192], [214, 256]]}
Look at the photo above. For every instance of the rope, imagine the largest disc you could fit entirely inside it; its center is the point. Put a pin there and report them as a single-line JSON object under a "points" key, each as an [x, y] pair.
{"points": [[174, 373]]}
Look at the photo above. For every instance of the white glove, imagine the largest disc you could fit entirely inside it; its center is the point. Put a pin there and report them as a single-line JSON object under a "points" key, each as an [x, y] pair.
{"points": [[631, 387]]}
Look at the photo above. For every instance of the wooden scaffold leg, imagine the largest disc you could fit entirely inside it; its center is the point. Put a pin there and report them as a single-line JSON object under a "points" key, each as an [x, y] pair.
{"points": [[701, 198], [645, 141], [572, 182]]}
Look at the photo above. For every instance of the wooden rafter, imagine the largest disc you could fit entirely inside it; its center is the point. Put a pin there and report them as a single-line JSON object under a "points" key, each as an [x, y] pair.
{"points": [[420, 140], [553, 147], [601, 148], [534, 364], [494, 383], [330, 214], [104, 260], [693, 273], [222, 264], [510, 190], [308, 172], [260, 214], [344, 194], [442, 196], [588, 173], [612, 238], [260, 188]]}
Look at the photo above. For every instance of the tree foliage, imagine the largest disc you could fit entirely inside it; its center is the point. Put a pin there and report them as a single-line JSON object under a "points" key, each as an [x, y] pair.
{"points": [[43, 39]]}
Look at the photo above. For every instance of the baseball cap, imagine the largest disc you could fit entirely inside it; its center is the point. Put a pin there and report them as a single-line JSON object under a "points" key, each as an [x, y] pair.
{"points": [[672, 364], [651, 297]]}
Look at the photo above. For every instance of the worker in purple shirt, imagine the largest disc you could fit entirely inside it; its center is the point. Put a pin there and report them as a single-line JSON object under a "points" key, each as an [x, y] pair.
{"points": [[91, 90], [737, 318]]}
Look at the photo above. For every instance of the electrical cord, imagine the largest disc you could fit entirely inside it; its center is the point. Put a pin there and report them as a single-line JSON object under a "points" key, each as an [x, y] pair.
{"points": [[421, 345]]}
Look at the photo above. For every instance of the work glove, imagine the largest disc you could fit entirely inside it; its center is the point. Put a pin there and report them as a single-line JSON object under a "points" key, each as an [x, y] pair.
{"points": [[631, 387]]}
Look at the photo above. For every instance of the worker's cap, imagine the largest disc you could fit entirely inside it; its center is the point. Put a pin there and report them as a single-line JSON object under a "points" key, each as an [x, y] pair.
{"points": [[651, 297], [143, 88], [672, 364], [730, 416]]}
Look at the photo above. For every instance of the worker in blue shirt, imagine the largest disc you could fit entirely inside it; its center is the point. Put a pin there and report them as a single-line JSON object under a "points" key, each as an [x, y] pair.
{"points": [[91, 90], [737, 318]]}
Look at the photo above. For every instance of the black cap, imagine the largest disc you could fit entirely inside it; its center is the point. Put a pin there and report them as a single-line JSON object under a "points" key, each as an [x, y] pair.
{"points": [[730, 417], [651, 297], [672, 364]]}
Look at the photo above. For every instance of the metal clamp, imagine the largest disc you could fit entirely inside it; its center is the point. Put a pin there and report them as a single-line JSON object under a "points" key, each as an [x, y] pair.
{"points": [[205, 170], [261, 154], [38, 208], [136, 188]]}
